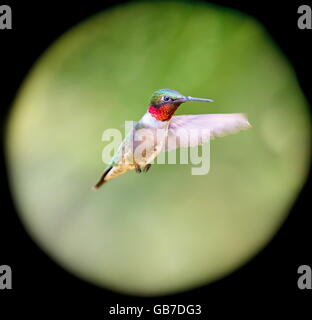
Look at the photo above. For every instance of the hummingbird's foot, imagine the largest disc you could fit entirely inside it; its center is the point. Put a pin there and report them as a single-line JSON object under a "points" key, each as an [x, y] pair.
{"points": [[138, 169], [147, 167]]}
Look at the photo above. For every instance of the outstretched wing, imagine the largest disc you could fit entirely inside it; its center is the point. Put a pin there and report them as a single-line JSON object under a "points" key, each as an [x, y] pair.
{"points": [[192, 130]]}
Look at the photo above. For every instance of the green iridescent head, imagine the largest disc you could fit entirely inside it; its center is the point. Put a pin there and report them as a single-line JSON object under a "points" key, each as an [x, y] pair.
{"points": [[169, 96], [164, 96]]}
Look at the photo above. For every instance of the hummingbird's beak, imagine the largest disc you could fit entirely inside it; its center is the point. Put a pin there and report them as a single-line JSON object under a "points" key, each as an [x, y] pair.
{"points": [[196, 99]]}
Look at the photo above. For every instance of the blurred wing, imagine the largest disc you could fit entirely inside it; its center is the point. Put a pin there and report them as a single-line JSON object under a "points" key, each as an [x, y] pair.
{"points": [[192, 130]]}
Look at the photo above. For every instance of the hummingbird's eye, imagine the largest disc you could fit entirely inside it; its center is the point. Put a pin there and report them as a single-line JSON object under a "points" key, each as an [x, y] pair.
{"points": [[166, 98]]}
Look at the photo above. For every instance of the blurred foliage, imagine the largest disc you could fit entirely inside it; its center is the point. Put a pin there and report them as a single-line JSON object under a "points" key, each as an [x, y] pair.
{"points": [[167, 230]]}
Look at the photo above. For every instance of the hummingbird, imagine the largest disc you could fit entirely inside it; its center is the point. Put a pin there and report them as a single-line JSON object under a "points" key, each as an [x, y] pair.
{"points": [[163, 127]]}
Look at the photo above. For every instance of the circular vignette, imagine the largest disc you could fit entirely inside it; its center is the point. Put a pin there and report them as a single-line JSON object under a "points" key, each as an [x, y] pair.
{"points": [[166, 231]]}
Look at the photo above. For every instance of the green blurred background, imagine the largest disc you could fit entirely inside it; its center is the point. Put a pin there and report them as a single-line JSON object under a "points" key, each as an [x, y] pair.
{"points": [[165, 231]]}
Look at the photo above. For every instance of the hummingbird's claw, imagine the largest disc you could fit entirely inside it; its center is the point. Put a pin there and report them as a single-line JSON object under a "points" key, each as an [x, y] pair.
{"points": [[138, 169], [147, 167]]}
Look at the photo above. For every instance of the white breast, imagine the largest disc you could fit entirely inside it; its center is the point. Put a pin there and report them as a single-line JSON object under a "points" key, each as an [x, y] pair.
{"points": [[149, 121]]}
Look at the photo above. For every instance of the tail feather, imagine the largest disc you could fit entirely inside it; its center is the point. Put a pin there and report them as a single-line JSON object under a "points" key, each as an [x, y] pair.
{"points": [[102, 179]]}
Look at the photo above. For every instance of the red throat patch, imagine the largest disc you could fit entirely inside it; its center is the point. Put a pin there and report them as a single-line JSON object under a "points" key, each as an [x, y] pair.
{"points": [[164, 112]]}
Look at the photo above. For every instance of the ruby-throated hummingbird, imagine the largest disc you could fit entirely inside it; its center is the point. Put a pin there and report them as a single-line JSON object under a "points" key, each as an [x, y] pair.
{"points": [[163, 127]]}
